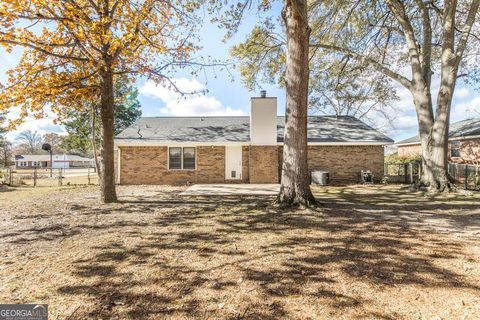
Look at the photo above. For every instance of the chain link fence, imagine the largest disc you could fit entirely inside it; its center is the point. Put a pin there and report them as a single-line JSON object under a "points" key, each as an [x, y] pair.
{"points": [[402, 172], [464, 175], [467, 175], [46, 177]]}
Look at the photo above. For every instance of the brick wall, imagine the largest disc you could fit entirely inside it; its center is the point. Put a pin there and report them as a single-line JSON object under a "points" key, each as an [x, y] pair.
{"points": [[410, 150], [263, 164], [148, 165], [245, 164], [345, 162], [469, 151], [210, 164]]}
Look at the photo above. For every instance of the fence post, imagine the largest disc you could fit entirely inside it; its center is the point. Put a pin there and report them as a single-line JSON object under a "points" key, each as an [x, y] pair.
{"points": [[466, 177], [410, 169], [60, 177], [10, 177], [405, 172], [88, 174], [35, 177]]}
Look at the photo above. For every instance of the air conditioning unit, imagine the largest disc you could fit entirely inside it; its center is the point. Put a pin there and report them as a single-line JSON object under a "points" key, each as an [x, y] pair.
{"points": [[321, 178], [366, 176]]}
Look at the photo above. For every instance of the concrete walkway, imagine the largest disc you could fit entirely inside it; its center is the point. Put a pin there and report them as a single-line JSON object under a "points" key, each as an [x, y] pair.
{"points": [[232, 190]]}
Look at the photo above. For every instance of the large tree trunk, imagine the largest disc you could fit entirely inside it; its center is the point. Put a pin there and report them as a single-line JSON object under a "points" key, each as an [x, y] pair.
{"points": [[435, 139], [295, 183], [107, 171]]}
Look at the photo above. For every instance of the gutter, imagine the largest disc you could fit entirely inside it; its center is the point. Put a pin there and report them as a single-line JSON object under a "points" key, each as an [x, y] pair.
{"points": [[244, 143]]}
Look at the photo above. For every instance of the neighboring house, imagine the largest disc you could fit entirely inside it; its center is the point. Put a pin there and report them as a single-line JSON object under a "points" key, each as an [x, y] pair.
{"points": [[181, 150], [463, 143], [63, 161]]}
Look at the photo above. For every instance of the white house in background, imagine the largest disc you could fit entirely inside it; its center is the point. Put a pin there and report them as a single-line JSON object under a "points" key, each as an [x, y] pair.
{"points": [[59, 161]]}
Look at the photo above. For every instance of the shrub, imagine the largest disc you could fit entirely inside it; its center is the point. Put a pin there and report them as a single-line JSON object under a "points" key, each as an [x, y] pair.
{"points": [[397, 159]]}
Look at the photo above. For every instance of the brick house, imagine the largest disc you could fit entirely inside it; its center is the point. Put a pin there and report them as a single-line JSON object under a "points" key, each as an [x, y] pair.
{"points": [[463, 143], [181, 150]]}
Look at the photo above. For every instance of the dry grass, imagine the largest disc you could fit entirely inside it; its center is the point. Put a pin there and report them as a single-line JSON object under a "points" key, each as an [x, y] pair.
{"points": [[369, 252]]}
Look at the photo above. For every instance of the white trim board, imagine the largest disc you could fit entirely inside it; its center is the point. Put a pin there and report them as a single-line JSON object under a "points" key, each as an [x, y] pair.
{"points": [[206, 143]]}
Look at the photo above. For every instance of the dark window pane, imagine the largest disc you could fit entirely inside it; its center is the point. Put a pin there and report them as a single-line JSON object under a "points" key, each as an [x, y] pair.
{"points": [[188, 158], [455, 149], [455, 152], [175, 158]]}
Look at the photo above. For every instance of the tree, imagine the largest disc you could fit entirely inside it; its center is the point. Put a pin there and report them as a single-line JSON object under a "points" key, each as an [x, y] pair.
{"points": [[5, 152], [79, 131], [422, 37], [83, 46], [78, 124], [54, 140], [30, 141], [295, 182], [338, 85], [346, 87]]}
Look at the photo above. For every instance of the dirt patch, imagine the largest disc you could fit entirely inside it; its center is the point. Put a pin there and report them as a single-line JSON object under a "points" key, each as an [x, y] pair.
{"points": [[369, 252]]}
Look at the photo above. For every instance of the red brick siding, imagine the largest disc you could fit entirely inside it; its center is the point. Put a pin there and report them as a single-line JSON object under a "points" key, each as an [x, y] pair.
{"points": [[344, 163], [469, 151]]}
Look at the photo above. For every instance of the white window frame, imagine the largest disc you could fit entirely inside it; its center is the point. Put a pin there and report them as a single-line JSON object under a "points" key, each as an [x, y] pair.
{"points": [[457, 147], [181, 158]]}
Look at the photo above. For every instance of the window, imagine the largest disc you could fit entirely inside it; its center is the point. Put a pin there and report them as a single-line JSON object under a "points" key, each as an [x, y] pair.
{"points": [[188, 158], [455, 149], [175, 158], [181, 158]]}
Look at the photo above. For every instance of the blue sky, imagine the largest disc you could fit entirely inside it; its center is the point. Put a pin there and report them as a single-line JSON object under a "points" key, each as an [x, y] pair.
{"points": [[226, 97]]}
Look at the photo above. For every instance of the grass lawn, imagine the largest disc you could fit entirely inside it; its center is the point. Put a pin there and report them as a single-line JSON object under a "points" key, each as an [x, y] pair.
{"points": [[368, 253]]}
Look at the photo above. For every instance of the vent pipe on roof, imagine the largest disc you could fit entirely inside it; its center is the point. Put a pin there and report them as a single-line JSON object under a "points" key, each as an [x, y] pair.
{"points": [[263, 93]]}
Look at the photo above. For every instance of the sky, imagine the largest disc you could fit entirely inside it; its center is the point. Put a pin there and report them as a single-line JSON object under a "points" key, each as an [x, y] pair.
{"points": [[227, 96]]}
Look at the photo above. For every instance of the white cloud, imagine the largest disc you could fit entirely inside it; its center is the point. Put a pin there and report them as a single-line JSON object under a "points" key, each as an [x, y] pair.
{"points": [[42, 126], [465, 110], [195, 103], [461, 93]]}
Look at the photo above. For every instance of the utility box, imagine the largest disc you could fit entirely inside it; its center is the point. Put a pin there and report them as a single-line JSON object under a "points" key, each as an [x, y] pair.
{"points": [[321, 178], [366, 177]]}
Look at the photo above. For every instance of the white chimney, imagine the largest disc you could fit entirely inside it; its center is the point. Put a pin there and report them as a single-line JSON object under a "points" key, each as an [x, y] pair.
{"points": [[263, 120]]}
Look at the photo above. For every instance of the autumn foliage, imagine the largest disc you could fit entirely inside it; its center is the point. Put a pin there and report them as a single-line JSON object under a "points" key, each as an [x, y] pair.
{"points": [[73, 50]]}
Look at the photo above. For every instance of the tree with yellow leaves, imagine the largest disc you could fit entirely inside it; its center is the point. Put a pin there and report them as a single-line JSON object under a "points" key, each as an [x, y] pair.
{"points": [[73, 50]]}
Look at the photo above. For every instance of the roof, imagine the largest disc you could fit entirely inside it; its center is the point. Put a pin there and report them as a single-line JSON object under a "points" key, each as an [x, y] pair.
{"points": [[237, 129], [460, 129], [46, 157]]}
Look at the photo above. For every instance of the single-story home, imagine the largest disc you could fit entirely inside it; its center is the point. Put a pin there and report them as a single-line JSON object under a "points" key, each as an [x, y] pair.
{"points": [[247, 149], [463, 143], [63, 161]]}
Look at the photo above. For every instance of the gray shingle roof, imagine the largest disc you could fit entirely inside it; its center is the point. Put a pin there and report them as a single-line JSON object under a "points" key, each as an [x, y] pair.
{"points": [[464, 128], [237, 129]]}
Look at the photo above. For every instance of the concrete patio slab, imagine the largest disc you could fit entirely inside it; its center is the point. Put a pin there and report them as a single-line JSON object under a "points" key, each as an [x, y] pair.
{"points": [[232, 190]]}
